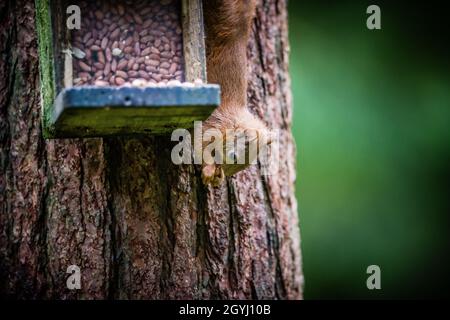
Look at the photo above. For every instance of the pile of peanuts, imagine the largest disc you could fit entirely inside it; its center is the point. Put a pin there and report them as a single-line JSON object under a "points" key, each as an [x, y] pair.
{"points": [[128, 43]]}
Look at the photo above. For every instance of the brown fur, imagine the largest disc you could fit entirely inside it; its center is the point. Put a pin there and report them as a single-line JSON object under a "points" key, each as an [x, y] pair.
{"points": [[228, 27]]}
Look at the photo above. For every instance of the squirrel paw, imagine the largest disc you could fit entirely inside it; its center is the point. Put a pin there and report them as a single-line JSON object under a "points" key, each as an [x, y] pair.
{"points": [[212, 174]]}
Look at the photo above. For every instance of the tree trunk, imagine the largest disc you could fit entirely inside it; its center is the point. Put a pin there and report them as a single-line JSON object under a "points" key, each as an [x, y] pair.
{"points": [[138, 226]]}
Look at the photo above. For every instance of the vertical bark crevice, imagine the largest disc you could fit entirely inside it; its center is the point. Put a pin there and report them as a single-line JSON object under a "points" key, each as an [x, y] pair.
{"points": [[204, 247], [232, 236], [273, 243], [115, 260], [167, 232]]}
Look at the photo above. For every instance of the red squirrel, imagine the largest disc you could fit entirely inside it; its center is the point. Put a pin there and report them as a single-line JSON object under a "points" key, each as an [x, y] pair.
{"points": [[228, 27]]}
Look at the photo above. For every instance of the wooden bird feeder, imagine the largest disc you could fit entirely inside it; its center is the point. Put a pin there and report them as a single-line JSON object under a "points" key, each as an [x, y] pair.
{"points": [[129, 69]]}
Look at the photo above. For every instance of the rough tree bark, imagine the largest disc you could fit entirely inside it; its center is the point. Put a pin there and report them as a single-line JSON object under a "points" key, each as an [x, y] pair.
{"points": [[137, 225]]}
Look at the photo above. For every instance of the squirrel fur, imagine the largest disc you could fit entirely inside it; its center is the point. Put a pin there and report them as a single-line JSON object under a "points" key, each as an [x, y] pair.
{"points": [[228, 28]]}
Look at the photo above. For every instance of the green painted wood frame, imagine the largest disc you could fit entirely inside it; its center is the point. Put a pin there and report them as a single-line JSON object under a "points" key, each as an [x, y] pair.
{"points": [[90, 111]]}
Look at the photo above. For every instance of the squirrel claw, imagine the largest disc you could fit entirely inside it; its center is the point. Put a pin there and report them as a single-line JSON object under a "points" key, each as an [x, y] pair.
{"points": [[213, 175]]}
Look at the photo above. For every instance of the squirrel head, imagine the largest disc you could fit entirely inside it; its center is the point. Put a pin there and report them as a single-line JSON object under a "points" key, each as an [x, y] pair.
{"points": [[238, 136]]}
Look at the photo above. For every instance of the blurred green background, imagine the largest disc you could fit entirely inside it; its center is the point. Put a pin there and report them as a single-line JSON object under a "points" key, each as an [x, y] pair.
{"points": [[371, 123]]}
